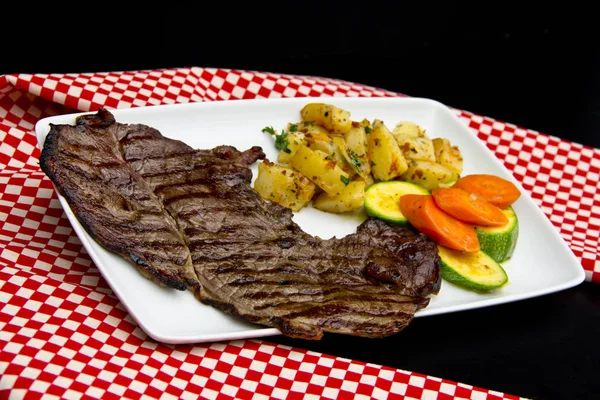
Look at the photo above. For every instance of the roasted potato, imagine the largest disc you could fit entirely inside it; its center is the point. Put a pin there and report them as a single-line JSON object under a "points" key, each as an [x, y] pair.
{"points": [[350, 199], [328, 116], [407, 128], [289, 144], [369, 181], [324, 173], [427, 174], [356, 150], [283, 185], [387, 160], [308, 127], [320, 141], [416, 147], [448, 155], [342, 159]]}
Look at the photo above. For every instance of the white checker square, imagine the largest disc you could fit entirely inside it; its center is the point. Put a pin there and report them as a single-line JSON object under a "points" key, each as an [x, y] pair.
{"points": [[417, 381], [249, 385], [218, 376], [398, 388], [307, 367], [258, 366], [318, 380]]}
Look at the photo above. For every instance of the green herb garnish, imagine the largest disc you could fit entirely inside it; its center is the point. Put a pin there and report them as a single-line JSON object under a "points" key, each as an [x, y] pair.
{"points": [[368, 129], [281, 142], [354, 160], [293, 128], [269, 130], [344, 179]]}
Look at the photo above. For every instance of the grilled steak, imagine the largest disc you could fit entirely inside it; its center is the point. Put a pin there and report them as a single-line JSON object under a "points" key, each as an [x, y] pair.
{"points": [[253, 261], [113, 203]]}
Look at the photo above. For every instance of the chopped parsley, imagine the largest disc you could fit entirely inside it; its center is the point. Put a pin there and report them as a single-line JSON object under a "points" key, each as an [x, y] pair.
{"points": [[354, 160], [344, 179], [293, 128], [368, 129], [282, 142], [269, 130]]}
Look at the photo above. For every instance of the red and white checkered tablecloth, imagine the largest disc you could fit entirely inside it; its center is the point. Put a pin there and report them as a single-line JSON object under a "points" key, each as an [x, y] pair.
{"points": [[63, 334]]}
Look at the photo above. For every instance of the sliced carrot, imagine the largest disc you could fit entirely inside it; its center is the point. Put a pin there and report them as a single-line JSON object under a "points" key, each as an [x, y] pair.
{"points": [[496, 190], [468, 207], [422, 213]]}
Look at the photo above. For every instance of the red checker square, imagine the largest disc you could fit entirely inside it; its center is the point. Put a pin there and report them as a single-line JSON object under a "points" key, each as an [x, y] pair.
{"points": [[152, 392], [284, 383], [302, 376], [364, 389], [214, 385], [314, 389]]}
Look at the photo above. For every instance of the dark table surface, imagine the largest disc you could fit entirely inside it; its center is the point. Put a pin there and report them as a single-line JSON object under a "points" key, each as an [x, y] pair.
{"points": [[536, 68]]}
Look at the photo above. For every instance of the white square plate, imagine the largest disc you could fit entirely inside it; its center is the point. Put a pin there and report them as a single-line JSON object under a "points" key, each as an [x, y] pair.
{"points": [[542, 262]]}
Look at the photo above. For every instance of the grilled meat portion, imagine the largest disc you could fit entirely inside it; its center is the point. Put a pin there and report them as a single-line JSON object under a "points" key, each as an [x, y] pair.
{"points": [[253, 261], [113, 203], [160, 201]]}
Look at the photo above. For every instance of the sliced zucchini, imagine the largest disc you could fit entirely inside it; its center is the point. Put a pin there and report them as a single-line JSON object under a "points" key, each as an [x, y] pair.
{"points": [[476, 271], [382, 200], [499, 242]]}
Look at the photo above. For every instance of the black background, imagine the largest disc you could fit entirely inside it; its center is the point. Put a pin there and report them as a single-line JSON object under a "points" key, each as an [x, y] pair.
{"points": [[534, 65], [537, 68]]}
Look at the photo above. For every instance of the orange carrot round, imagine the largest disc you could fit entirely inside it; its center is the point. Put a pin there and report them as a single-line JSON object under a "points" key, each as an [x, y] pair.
{"points": [[468, 207], [496, 190], [422, 213]]}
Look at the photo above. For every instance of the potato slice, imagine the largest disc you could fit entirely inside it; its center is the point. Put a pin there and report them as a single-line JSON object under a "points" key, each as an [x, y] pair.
{"points": [[324, 173], [357, 149], [350, 199], [309, 127], [387, 160], [416, 147], [408, 128], [292, 142], [448, 155], [328, 116], [428, 175], [283, 185]]}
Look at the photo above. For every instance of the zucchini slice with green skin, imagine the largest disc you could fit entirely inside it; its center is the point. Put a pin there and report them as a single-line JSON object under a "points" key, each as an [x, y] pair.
{"points": [[382, 200], [499, 242], [475, 271]]}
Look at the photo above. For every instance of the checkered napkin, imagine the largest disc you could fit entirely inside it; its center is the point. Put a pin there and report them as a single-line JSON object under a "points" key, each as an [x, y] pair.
{"points": [[64, 334]]}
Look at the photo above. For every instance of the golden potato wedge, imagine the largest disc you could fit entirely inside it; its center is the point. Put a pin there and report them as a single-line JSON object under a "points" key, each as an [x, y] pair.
{"points": [[309, 127], [320, 141], [387, 160], [350, 199], [341, 157], [283, 185], [448, 155], [292, 142], [324, 173], [427, 174], [356, 150], [416, 147], [328, 116], [407, 128]]}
